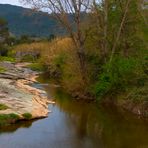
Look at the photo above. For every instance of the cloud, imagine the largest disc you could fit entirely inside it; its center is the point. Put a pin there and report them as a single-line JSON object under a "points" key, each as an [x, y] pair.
{"points": [[12, 2]]}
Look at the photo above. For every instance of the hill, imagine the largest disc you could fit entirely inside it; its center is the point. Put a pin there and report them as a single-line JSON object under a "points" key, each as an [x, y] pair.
{"points": [[22, 21]]}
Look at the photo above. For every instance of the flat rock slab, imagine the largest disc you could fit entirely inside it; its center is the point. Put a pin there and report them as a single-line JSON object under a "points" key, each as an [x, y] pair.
{"points": [[16, 99], [19, 96]]}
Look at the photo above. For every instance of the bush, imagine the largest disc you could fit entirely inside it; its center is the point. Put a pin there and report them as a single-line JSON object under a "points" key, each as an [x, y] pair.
{"points": [[3, 107], [14, 116], [28, 58], [116, 77], [3, 51], [10, 59], [2, 69], [27, 116], [6, 119], [37, 67]]}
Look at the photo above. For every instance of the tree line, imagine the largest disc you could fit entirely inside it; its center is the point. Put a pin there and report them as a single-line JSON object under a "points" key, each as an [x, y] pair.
{"points": [[109, 42]]}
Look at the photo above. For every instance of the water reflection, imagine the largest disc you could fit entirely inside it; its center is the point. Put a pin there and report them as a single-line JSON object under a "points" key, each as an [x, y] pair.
{"points": [[105, 126], [12, 128], [75, 124]]}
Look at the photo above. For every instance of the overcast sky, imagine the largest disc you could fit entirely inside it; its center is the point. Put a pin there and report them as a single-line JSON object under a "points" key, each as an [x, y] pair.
{"points": [[12, 2]]}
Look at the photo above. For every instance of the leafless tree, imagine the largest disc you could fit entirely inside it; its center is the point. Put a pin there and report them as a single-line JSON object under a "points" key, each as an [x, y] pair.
{"points": [[61, 10]]}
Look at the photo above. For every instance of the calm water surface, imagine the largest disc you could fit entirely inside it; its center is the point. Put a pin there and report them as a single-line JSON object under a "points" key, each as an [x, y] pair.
{"points": [[77, 125]]}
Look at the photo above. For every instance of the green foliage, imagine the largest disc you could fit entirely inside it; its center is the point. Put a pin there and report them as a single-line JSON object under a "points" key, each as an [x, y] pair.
{"points": [[27, 116], [145, 65], [3, 28], [6, 119], [28, 58], [139, 95], [102, 76], [3, 107], [57, 66], [37, 67], [13, 116], [6, 54], [116, 77], [2, 69], [3, 50], [60, 60], [10, 59], [24, 39]]}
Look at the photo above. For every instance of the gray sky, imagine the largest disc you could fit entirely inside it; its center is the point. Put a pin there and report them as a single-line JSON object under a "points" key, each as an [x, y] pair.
{"points": [[12, 2]]}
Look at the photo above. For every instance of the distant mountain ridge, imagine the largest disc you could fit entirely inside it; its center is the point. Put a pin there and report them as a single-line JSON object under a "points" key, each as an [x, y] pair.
{"points": [[23, 21]]}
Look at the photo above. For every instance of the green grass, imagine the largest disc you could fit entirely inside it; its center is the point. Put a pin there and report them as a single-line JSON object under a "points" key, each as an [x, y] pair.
{"points": [[36, 67], [3, 107], [2, 69], [27, 116], [28, 58], [9, 59], [6, 119]]}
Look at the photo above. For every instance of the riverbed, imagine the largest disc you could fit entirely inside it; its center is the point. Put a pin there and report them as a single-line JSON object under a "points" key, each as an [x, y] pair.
{"points": [[74, 124]]}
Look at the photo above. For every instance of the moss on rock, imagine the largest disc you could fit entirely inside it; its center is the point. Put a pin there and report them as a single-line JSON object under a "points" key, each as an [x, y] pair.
{"points": [[3, 107], [6, 119]]}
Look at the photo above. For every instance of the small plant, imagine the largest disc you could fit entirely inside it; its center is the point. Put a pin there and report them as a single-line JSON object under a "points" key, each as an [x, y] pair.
{"points": [[3, 107], [36, 67], [2, 69], [13, 116], [28, 58], [3, 51], [9, 59], [6, 119], [27, 116]]}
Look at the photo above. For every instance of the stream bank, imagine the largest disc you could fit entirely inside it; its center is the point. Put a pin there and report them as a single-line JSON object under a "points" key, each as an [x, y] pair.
{"points": [[76, 124], [22, 101]]}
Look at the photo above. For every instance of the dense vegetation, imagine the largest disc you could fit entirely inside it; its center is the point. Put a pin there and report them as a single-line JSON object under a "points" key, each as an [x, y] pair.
{"points": [[112, 59], [105, 56], [4, 34]]}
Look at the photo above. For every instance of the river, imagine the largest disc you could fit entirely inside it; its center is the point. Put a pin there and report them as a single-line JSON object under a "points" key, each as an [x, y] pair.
{"points": [[75, 124]]}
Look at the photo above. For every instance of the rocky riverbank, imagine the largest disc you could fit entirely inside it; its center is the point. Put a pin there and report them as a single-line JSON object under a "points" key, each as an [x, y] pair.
{"points": [[20, 98]]}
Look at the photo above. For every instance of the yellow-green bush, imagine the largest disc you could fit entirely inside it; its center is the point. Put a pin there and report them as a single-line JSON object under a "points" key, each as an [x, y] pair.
{"points": [[62, 63]]}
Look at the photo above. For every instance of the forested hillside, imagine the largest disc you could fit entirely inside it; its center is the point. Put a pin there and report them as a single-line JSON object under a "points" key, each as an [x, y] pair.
{"points": [[22, 21]]}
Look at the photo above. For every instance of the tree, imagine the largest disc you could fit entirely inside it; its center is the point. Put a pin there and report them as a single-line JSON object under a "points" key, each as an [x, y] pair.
{"points": [[51, 37], [101, 10], [4, 32], [62, 10], [118, 22]]}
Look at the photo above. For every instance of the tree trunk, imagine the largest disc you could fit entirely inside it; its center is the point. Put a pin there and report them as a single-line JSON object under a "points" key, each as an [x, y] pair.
{"points": [[105, 27], [119, 31], [82, 61]]}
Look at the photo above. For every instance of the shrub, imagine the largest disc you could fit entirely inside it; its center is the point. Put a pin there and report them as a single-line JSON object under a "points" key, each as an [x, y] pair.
{"points": [[10, 59], [27, 116], [3, 107], [122, 73], [6, 119], [3, 51], [2, 69], [13, 116], [37, 67]]}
